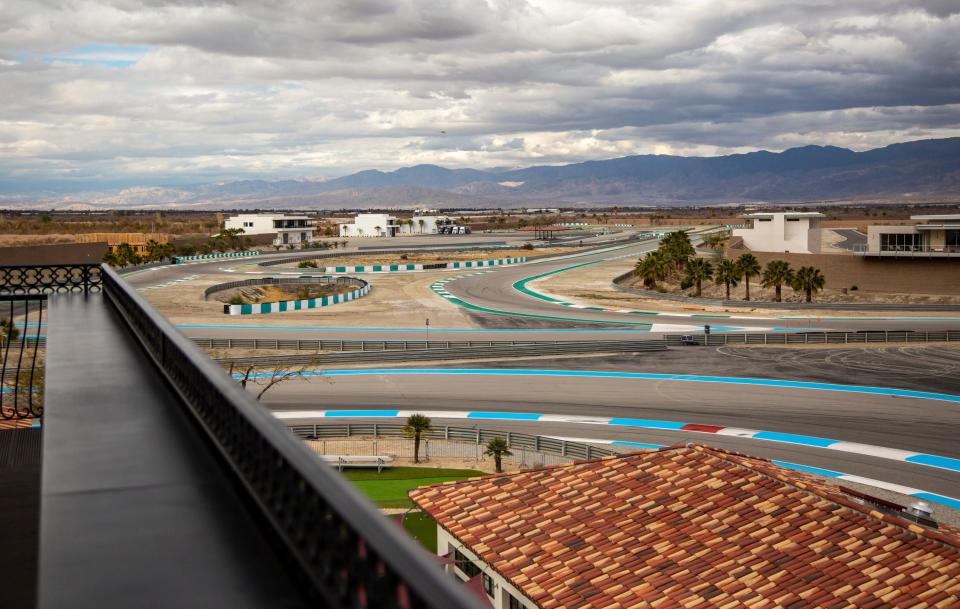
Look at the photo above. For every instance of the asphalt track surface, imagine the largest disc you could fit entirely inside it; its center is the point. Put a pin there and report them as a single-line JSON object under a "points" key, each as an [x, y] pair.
{"points": [[877, 420], [503, 291]]}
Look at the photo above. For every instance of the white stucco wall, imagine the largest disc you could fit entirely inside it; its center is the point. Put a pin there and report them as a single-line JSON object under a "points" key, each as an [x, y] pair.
{"points": [[366, 225], [781, 233], [263, 224]]}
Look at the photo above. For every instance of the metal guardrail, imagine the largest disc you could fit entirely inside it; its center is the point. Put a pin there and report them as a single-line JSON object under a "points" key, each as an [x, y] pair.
{"points": [[303, 344], [552, 446], [21, 374], [815, 338], [342, 550], [475, 352]]}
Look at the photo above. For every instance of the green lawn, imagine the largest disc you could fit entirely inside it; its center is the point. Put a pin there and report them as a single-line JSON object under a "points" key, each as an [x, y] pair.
{"points": [[388, 489], [421, 527]]}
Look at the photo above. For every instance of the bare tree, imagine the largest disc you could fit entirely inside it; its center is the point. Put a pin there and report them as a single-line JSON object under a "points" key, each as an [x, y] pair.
{"points": [[267, 380]]}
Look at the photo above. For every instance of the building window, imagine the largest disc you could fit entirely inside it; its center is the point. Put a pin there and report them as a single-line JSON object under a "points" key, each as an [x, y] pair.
{"points": [[900, 242], [951, 238], [793, 219], [513, 602], [765, 219], [488, 585], [467, 566]]}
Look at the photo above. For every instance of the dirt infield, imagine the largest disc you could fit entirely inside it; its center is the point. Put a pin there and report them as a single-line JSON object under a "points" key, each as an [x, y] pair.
{"points": [[403, 300]]}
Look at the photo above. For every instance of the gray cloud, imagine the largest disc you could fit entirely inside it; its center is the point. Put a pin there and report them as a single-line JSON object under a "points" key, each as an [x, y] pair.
{"points": [[288, 88]]}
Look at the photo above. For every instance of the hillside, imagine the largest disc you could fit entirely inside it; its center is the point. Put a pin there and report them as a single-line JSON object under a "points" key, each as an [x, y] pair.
{"points": [[919, 170]]}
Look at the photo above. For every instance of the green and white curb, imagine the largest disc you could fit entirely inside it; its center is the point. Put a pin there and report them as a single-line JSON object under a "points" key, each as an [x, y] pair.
{"points": [[295, 305], [182, 259], [439, 289]]}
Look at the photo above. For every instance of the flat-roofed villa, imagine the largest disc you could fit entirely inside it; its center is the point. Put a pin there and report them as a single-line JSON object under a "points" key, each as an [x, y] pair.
{"points": [[934, 236]]}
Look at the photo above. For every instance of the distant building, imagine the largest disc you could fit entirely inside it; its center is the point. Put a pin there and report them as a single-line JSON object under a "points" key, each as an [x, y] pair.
{"points": [[138, 241], [371, 225], [795, 232], [934, 236], [687, 527], [289, 230]]}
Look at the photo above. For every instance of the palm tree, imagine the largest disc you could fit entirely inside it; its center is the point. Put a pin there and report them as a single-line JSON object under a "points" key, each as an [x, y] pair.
{"points": [[699, 269], [808, 279], [749, 267], [378, 229], [421, 223], [775, 274], [498, 449], [415, 426], [651, 268], [728, 273], [677, 248], [714, 241]]}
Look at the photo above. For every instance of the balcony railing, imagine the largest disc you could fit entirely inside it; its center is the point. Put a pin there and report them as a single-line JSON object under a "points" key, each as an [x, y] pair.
{"points": [[908, 250], [336, 546], [21, 361]]}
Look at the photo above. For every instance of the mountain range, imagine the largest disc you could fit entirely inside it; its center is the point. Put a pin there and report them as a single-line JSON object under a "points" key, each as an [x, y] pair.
{"points": [[919, 170]]}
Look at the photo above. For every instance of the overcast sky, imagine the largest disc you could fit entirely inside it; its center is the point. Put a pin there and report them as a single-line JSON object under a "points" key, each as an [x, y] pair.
{"points": [[152, 92]]}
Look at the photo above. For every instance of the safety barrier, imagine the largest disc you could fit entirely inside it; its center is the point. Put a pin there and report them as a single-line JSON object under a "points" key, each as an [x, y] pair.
{"points": [[182, 259], [564, 449], [813, 338], [420, 354], [303, 303]]}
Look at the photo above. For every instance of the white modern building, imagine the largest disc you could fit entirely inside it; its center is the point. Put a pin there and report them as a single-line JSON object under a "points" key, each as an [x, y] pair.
{"points": [[787, 232], [289, 230], [932, 235], [371, 225]]}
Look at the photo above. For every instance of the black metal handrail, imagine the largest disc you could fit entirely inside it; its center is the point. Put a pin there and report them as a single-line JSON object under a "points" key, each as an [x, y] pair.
{"points": [[21, 379], [50, 279], [343, 549]]}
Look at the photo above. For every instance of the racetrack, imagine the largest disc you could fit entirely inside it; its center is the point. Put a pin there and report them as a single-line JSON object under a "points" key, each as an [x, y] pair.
{"points": [[928, 426], [504, 304]]}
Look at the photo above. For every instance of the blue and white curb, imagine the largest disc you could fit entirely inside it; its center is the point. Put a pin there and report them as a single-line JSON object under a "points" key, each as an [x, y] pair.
{"points": [[850, 447], [295, 305]]}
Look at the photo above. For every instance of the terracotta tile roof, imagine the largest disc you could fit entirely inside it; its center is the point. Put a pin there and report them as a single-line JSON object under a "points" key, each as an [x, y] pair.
{"points": [[693, 527]]}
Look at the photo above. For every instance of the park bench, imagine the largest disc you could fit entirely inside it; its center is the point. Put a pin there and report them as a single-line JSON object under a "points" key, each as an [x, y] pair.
{"points": [[342, 461]]}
